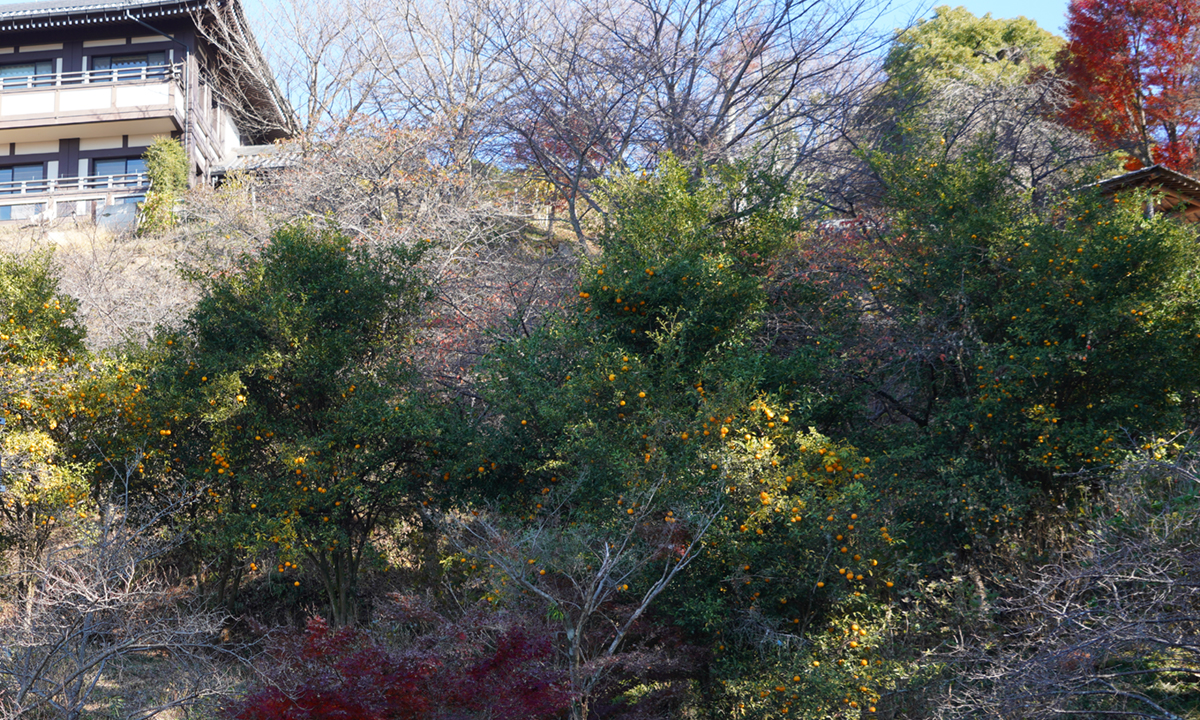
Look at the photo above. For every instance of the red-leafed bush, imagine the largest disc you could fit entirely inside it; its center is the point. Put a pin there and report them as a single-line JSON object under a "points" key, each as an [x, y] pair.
{"points": [[455, 671]]}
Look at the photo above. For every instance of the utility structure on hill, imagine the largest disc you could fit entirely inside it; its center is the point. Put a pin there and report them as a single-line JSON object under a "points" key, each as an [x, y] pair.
{"points": [[87, 85]]}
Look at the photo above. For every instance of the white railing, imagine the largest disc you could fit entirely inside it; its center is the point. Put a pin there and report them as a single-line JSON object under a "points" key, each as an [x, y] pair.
{"points": [[151, 73], [127, 181]]}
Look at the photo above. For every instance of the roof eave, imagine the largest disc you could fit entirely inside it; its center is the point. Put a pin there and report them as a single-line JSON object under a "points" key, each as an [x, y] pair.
{"points": [[52, 17]]}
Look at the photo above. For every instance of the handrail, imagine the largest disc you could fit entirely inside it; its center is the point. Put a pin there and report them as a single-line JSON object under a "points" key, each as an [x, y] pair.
{"points": [[128, 181], [91, 77]]}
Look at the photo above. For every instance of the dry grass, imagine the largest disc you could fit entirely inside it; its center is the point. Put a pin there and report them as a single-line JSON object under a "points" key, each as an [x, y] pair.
{"points": [[132, 683], [126, 286]]}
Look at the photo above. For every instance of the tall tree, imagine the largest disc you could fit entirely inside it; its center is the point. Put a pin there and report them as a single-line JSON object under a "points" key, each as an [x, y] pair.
{"points": [[1131, 64], [956, 45]]}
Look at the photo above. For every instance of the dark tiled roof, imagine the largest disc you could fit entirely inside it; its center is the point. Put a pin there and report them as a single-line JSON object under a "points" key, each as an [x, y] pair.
{"points": [[52, 7], [69, 12]]}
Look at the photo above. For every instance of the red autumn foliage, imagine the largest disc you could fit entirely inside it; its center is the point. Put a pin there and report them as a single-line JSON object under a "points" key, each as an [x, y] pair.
{"points": [[446, 673], [1131, 66]]}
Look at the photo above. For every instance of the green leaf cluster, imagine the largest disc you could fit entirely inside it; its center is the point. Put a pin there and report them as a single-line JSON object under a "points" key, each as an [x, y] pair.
{"points": [[956, 45], [167, 168], [1021, 336], [294, 402], [37, 322]]}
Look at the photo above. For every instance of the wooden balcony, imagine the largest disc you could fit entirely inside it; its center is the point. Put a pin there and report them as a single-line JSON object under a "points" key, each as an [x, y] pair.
{"points": [[93, 96], [31, 200]]}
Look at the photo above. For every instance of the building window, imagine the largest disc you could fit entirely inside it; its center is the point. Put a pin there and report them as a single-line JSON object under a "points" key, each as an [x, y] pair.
{"points": [[130, 66], [27, 74], [20, 212], [122, 172], [17, 178]]}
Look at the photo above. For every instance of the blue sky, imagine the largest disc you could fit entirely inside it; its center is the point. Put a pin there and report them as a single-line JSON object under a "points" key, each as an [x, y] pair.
{"points": [[1048, 14]]}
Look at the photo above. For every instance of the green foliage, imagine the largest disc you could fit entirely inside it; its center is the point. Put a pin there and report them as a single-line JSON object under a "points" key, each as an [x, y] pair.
{"points": [[41, 488], [40, 491], [37, 322], [660, 341], [663, 404], [1015, 334], [293, 402], [803, 548], [167, 167], [957, 45]]}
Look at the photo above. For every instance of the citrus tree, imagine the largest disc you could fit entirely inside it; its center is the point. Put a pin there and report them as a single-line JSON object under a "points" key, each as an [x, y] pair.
{"points": [[288, 398], [1009, 342], [641, 452], [41, 343]]}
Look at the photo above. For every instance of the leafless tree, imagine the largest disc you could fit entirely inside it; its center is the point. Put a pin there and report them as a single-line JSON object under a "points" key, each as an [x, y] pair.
{"points": [[582, 575], [570, 91], [439, 67], [952, 117], [1043, 157], [101, 600], [492, 264], [1112, 629], [126, 287], [241, 75], [613, 86]]}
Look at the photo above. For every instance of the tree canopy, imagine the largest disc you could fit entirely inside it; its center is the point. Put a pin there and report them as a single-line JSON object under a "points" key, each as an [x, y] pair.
{"points": [[956, 44], [1130, 66]]}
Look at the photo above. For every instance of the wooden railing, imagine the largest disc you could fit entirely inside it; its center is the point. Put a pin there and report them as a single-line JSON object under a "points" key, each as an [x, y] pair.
{"points": [[151, 73], [127, 181]]}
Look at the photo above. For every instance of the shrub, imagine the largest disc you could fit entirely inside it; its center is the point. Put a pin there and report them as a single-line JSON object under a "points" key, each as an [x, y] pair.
{"points": [[167, 168], [458, 670], [1008, 343]]}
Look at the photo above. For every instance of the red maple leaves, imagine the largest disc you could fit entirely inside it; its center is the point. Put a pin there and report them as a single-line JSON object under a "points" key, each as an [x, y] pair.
{"points": [[1132, 67], [450, 672]]}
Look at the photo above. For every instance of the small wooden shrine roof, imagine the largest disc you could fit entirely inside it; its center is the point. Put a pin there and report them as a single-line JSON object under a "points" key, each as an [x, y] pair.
{"points": [[1174, 191]]}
